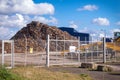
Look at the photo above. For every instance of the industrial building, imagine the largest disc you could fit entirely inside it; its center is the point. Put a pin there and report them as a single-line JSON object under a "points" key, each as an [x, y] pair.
{"points": [[73, 32]]}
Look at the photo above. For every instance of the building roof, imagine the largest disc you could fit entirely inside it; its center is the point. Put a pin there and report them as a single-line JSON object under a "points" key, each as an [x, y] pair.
{"points": [[73, 32]]}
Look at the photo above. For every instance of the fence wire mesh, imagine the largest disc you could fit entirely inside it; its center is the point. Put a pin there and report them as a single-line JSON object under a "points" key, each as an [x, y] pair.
{"points": [[59, 53]]}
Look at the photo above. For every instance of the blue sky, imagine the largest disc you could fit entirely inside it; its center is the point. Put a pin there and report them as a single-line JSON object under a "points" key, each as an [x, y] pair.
{"points": [[88, 16], [66, 11]]}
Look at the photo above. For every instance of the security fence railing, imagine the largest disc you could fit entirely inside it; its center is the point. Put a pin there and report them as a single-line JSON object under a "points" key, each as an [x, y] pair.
{"points": [[57, 52]]}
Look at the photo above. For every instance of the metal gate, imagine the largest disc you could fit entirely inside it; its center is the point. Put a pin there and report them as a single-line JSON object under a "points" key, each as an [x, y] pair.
{"points": [[62, 52], [7, 53], [84, 51]]}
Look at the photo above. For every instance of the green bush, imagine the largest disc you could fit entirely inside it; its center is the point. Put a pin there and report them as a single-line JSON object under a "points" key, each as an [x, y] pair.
{"points": [[6, 74]]}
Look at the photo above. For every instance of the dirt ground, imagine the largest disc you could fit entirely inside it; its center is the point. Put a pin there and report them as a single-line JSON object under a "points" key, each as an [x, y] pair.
{"points": [[96, 75]]}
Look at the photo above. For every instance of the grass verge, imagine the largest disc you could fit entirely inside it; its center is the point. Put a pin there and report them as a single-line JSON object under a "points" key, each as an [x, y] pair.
{"points": [[6, 74], [30, 73]]}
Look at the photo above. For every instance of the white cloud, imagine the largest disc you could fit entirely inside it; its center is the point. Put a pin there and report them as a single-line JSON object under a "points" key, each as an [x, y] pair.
{"points": [[25, 7], [93, 34], [116, 30], [73, 25], [118, 23], [96, 35], [101, 21], [84, 30], [101, 35], [88, 8], [6, 33], [45, 20], [106, 33], [12, 21], [3, 30], [15, 14], [17, 21]]}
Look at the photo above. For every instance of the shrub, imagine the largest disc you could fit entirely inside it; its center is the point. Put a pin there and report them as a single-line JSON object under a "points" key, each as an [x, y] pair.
{"points": [[5, 74]]}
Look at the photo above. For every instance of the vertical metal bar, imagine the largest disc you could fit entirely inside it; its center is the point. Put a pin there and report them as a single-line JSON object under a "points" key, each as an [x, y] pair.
{"points": [[12, 54], [64, 52], [85, 50], [104, 50], [97, 51], [56, 48], [71, 52], [25, 51], [13, 60], [47, 52], [2, 52], [115, 55], [78, 49], [92, 51]]}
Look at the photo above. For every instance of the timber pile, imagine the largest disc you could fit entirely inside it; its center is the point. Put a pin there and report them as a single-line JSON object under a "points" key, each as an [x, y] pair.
{"points": [[35, 36]]}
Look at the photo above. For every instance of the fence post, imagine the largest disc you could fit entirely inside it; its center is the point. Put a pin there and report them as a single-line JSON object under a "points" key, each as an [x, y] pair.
{"points": [[2, 52], [86, 51], [56, 48], [64, 51], [12, 54], [79, 49], [25, 64], [104, 50], [47, 52]]}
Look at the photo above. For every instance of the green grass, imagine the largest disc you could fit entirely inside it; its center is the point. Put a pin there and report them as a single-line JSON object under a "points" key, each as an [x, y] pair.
{"points": [[6, 74], [32, 73]]}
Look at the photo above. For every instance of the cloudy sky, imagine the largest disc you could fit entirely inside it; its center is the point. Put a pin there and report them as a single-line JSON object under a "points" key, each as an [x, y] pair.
{"points": [[88, 16]]}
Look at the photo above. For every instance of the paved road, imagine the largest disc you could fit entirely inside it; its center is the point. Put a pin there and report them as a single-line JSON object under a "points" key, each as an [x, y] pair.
{"points": [[96, 75]]}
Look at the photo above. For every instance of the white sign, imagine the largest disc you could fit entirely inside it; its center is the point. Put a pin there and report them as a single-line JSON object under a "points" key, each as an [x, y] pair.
{"points": [[72, 48]]}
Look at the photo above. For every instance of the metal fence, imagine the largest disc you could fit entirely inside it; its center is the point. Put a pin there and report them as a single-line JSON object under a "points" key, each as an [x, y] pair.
{"points": [[29, 53], [7, 53], [65, 52], [84, 51], [59, 52]]}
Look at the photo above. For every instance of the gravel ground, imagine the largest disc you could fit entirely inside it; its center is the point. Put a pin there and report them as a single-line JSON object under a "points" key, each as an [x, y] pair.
{"points": [[96, 75]]}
